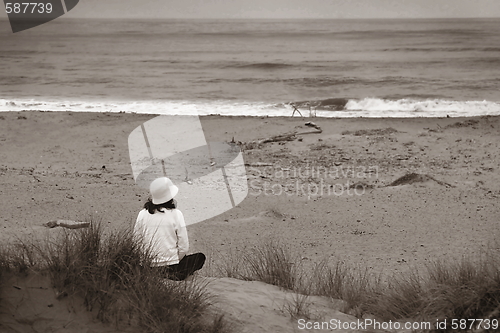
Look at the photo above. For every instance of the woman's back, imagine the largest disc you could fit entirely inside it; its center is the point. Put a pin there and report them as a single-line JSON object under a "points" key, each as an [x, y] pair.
{"points": [[165, 231]]}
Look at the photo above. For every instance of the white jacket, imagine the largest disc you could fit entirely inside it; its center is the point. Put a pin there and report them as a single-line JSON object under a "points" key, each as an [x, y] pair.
{"points": [[165, 232]]}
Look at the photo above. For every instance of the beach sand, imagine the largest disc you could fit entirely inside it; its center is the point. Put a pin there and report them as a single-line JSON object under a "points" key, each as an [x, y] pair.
{"points": [[74, 165]]}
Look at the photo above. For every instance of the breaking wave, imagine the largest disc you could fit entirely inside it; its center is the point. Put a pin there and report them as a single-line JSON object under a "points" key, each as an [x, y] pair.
{"points": [[330, 107], [405, 107]]}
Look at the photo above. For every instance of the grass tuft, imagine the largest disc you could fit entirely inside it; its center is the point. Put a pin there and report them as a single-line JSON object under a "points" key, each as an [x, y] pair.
{"points": [[338, 280], [446, 290], [112, 273], [272, 263]]}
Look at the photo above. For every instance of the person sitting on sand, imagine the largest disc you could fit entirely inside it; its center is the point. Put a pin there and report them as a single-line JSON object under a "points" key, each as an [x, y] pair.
{"points": [[163, 228]]}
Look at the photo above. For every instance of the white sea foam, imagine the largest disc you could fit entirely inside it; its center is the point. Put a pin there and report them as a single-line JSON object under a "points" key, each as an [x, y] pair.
{"points": [[426, 108], [367, 107], [148, 107]]}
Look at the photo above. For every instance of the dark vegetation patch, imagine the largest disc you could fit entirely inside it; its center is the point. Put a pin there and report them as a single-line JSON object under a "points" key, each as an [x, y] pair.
{"points": [[466, 123], [361, 186], [412, 178], [321, 146]]}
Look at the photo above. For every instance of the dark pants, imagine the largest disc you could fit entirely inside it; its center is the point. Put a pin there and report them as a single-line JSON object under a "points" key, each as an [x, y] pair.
{"points": [[187, 266]]}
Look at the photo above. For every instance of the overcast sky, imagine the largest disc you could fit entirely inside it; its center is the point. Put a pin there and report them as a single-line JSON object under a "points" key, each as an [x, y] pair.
{"points": [[286, 8], [269, 9]]}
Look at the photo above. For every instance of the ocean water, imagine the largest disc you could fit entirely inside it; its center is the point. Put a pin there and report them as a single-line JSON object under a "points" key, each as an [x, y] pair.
{"points": [[339, 68]]}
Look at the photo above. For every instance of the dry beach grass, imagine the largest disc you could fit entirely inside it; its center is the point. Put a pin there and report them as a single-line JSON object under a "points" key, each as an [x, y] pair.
{"points": [[91, 275]]}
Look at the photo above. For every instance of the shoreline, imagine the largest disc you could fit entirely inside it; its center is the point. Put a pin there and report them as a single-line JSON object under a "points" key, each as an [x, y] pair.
{"points": [[246, 116], [360, 107]]}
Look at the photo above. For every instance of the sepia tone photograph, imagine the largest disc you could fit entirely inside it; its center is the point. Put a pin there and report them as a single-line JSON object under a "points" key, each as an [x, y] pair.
{"points": [[250, 166]]}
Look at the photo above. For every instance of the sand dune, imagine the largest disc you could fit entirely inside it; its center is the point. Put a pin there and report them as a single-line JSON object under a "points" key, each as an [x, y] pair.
{"points": [[254, 306], [29, 304]]}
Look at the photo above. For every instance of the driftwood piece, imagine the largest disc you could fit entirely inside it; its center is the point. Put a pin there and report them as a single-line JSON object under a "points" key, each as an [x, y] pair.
{"points": [[292, 136], [311, 132], [281, 137], [311, 124], [258, 164], [70, 224], [51, 224]]}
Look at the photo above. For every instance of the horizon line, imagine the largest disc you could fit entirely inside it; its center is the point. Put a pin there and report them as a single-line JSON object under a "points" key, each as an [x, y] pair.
{"points": [[275, 18]]}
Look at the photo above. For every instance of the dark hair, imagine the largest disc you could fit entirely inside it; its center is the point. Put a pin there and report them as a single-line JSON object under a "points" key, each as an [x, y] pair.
{"points": [[151, 207]]}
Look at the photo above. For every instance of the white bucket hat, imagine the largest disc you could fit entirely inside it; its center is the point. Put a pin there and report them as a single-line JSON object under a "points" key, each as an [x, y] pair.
{"points": [[162, 190]]}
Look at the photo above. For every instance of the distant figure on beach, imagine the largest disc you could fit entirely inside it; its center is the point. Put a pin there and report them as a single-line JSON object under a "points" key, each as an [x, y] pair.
{"points": [[163, 228]]}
